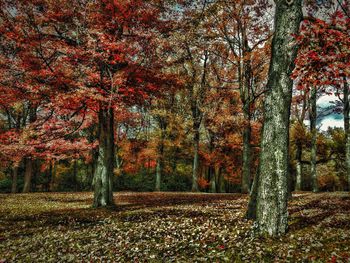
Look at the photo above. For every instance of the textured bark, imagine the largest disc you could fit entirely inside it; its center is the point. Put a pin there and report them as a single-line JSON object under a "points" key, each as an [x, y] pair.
{"points": [[28, 174], [251, 212], [195, 161], [313, 117], [49, 178], [221, 180], [14, 179], [246, 156], [213, 180], [29, 163], [246, 98], [158, 174], [299, 168], [159, 167], [75, 175], [346, 111], [103, 190], [272, 196]]}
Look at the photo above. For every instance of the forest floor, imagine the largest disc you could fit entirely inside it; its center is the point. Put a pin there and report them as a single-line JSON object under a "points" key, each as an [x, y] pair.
{"points": [[168, 227]]}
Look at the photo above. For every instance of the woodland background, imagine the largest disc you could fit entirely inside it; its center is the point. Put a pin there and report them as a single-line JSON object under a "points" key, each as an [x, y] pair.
{"points": [[186, 83]]}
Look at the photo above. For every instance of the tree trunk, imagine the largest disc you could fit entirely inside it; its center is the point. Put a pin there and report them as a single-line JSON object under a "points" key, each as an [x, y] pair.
{"points": [[158, 174], [195, 162], [251, 212], [246, 98], [299, 168], [14, 179], [346, 112], [159, 166], [75, 175], [49, 178], [103, 188], [221, 180], [53, 177], [246, 155], [28, 173], [313, 117], [213, 179], [272, 196]]}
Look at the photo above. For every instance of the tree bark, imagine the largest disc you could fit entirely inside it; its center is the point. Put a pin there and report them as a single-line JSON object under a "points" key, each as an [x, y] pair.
{"points": [[159, 166], [346, 111], [251, 212], [195, 161], [299, 168], [246, 155], [28, 173], [246, 98], [158, 174], [75, 175], [29, 163], [313, 117], [272, 196], [221, 180], [103, 188], [14, 179]]}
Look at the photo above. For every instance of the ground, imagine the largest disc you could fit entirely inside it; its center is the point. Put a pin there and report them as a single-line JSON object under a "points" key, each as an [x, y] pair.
{"points": [[168, 227]]}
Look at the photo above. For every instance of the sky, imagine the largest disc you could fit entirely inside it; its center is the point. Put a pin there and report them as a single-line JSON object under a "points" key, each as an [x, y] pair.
{"points": [[329, 118]]}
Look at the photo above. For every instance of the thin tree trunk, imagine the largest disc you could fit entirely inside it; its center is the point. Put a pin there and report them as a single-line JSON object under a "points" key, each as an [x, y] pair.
{"points": [[14, 179], [272, 196], [75, 175], [29, 163], [246, 98], [313, 117], [103, 188], [195, 162], [28, 173], [158, 174], [221, 180], [49, 178], [251, 212], [299, 168], [213, 179], [346, 112], [54, 172], [246, 166], [159, 166]]}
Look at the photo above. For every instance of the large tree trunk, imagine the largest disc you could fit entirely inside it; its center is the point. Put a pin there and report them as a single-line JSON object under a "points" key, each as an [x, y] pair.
{"points": [[272, 196], [195, 161], [346, 112], [14, 179], [28, 174], [313, 117], [103, 176], [299, 168]]}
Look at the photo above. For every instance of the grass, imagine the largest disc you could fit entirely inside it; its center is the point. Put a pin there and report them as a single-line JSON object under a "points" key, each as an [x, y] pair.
{"points": [[168, 227]]}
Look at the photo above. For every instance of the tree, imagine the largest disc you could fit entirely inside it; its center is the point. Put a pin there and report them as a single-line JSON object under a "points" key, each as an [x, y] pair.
{"points": [[241, 39], [323, 60], [271, 206], [298, 133], [81, 60]]}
